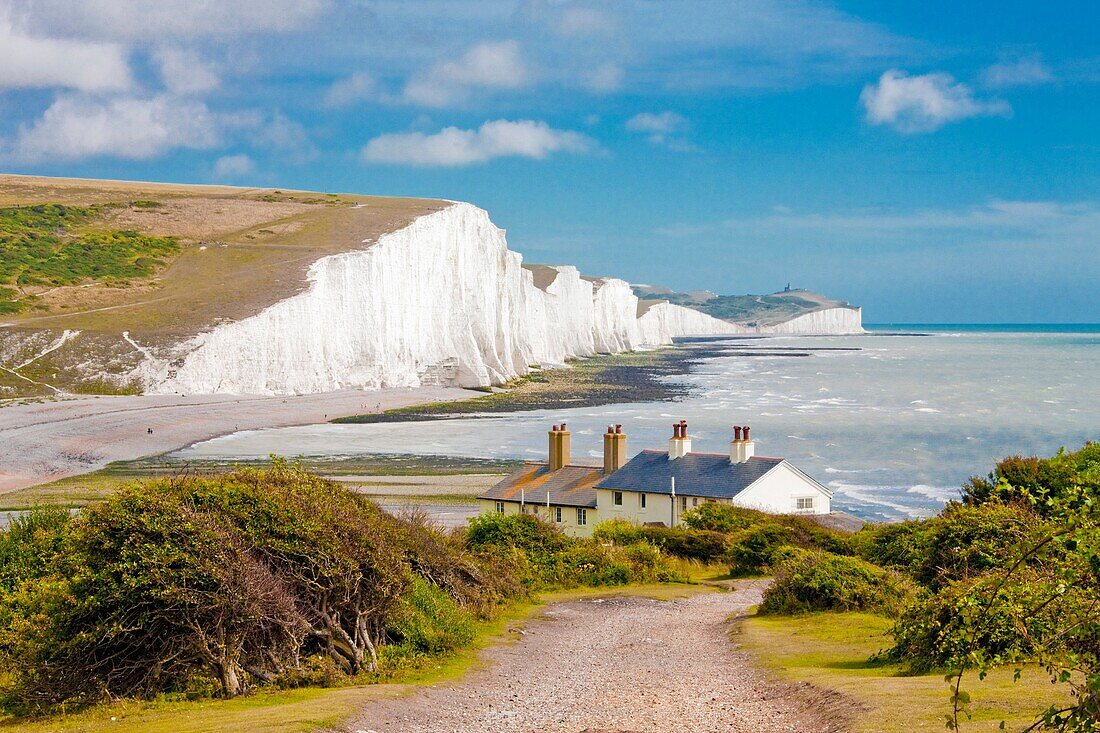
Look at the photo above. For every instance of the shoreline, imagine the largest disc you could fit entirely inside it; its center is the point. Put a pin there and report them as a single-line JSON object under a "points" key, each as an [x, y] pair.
{"points": [[49, 441]]}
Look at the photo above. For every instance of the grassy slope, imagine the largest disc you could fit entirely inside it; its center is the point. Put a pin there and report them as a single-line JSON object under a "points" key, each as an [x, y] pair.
{"points": [[763, 310], [831, 651], [240, 251], [307, 709]]}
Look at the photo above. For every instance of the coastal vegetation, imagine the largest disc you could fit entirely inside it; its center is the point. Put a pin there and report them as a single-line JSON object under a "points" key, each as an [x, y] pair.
{"points": [[272, 581], [52, 245], [1008, 578], [214, 586]]}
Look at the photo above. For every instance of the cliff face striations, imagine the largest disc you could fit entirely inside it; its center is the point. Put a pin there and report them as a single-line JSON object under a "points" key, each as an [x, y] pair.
{"points": [[442, 300]]}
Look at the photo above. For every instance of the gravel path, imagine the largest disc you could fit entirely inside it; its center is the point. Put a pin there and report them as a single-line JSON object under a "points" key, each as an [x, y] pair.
{"points": [[618, 665]]}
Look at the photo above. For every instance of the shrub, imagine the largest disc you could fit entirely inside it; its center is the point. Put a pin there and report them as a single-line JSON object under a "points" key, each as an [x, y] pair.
{"points": [[722, 517], [755, 550], [942, 630], [428, 621], [900, 545], [705, 546], [1042, 483], [821, 581], [965, 541]]}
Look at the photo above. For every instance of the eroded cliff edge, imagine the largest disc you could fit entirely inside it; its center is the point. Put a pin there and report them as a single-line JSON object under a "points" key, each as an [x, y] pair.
{"points": [[441, 301]]}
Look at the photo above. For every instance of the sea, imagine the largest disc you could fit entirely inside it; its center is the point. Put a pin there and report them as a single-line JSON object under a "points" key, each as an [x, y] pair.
{"points": [[893, 422]]}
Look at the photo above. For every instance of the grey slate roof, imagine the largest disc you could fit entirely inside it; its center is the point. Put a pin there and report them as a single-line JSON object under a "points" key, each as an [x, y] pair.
{"points": [[697, 474], [568, 486]]}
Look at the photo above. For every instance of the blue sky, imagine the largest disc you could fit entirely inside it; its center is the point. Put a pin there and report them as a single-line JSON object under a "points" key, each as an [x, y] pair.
{"points": [[930, 161]]}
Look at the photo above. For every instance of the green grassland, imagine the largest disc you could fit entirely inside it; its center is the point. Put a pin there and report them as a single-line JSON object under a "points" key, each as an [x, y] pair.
{"points": [[833, 652], [55, 245]]}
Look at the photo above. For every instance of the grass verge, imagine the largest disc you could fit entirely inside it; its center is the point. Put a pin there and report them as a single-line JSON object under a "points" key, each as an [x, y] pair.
{"points": [[831, 651], [308, 709]]}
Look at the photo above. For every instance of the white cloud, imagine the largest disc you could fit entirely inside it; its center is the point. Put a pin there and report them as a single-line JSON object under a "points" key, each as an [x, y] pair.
{"points": [[141, 20], [914, 104], [663, 128], [233, 167], [78, 126], [658, 125], [287, 137], [346, 92], [184, 72], [604, 78], [494, 139], [1029, 71], [28, 62], [486, 65]]}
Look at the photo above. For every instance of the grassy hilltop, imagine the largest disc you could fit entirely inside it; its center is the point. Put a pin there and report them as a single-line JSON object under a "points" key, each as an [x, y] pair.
{"points": [[752, 310], [158, 262]]}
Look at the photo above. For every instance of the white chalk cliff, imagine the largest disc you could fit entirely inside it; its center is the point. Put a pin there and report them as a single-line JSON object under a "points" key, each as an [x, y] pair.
{"points": [[442, 301], [833, 321]]}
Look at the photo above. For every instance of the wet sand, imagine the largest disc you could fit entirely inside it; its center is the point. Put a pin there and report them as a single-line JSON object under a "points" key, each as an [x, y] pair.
{"points": [[53, 440]]}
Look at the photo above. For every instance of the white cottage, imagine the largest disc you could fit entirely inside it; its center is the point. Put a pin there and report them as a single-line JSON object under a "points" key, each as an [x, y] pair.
{"points": [[654, 487]]}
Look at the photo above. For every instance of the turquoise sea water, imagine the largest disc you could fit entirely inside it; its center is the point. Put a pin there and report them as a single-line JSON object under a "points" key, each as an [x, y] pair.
{"points": [[893, 421]]}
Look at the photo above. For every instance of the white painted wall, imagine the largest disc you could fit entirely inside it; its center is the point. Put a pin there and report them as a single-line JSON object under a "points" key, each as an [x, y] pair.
{"points": [[778, 490]]}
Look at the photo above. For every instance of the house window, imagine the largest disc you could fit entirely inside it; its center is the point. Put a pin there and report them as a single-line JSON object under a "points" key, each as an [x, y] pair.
{"points": [[683, 503], [641, 500], [804, 503], [695, 501], [617, 498], [582, 517], [500, 507], [557, 514]]}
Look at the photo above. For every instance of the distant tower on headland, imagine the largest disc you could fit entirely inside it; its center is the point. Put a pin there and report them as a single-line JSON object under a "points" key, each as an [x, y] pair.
{"points": [[787, 289]]}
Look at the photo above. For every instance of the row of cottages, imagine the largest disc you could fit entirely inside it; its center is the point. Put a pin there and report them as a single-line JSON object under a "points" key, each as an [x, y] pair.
{"points": [[654, 487]]}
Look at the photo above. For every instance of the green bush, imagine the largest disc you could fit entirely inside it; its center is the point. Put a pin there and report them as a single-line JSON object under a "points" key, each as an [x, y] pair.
{"points": [[722, 517], [754, 551], [900, 545], [1044, 484], [428, 621], [222, 583], [705, 546], [821, 581], [965, 541], [942, 630]]}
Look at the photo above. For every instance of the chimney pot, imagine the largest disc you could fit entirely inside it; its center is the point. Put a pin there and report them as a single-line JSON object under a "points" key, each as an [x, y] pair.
{"points": [[563, 428], [737, 432], [618, 429], [746, 432]]}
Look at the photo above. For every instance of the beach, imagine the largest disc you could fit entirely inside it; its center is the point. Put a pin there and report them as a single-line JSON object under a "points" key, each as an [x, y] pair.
{"points": [[50, 440]]}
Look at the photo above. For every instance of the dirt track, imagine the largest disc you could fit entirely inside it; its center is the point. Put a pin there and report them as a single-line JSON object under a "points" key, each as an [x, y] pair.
{"points": [[619, 665]]}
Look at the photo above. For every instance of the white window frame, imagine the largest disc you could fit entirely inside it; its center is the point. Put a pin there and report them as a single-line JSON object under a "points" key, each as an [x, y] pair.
{"points": [[500, 507], [683, 503], [557, 514], [798, 504], [641, 502], [582, 516]]}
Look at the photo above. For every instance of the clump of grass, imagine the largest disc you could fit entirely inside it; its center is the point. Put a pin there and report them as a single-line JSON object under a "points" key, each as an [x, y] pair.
{"points": [[40, 246]]}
